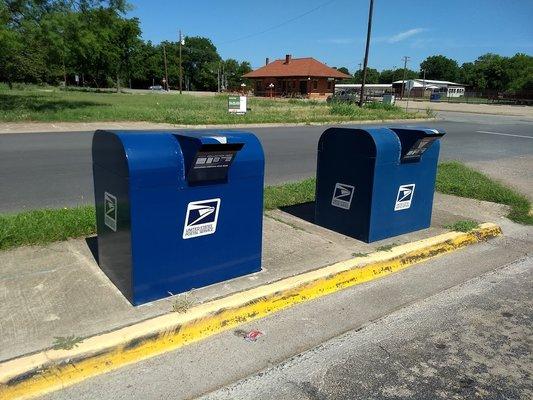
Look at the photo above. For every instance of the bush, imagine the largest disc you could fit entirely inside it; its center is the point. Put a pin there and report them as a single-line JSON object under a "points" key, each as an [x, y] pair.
{"points": [[344, 108], [381, 106]]}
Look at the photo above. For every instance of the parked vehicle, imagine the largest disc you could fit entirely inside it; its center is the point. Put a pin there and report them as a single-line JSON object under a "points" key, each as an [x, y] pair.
{"points": [[156, 87], [344, 95]]}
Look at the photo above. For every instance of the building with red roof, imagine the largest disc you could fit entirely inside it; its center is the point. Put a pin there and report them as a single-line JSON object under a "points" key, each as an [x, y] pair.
{"points": [[295, 77]]}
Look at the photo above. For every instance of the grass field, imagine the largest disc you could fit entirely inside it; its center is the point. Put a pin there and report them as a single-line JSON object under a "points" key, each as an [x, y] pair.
{"points": [[45, 226], [52, 105]]}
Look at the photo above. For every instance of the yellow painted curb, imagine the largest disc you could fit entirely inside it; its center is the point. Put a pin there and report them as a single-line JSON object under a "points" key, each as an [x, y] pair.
{"points": [[50, 370]]}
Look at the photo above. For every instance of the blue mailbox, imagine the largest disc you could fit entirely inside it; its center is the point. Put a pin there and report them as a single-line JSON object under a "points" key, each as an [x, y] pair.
{"points": [[376, 183], [177, 211]]}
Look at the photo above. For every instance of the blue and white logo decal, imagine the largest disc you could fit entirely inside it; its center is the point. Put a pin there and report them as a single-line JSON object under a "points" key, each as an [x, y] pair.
{"points": [[342, 196], [110, 211], [201, 218], [405, 196]]}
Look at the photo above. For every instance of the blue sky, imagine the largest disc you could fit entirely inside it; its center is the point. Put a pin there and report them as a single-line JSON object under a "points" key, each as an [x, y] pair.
{"points": [[335, 32]]}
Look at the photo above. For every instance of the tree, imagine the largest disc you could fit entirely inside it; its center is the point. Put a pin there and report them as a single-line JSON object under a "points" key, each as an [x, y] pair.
{"points": [[147, 67], [520, 68], [372, 76], [344, 70], [200, 63], [440, 68], [233, 72], [125, 40], [389, 75]]}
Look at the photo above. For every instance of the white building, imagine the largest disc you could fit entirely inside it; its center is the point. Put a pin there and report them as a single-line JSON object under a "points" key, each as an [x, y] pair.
{"points": [[371, 89], [421, 87]]}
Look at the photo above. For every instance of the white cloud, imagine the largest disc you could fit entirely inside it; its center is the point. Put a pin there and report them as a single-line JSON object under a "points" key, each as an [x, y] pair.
{"points": [[405, 35]]}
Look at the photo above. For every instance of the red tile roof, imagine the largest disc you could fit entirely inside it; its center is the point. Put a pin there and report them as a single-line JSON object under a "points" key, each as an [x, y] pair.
{"points": [[308, 67]]}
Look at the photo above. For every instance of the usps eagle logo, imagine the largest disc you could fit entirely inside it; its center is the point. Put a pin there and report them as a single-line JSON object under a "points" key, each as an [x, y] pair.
{"points": [[404, 197], [110, 211], [342, 196], [201, 218]]}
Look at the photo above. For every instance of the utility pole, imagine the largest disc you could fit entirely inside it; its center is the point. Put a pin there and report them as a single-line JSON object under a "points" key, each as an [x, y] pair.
{"points": [[218, 78], [224, 83], [365, 63], [181, 69], [424, 90], [166, 71], [405, 59]]}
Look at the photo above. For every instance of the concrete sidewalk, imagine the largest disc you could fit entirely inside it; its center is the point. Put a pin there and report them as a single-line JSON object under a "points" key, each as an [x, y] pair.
{"points": [[58, 290]]}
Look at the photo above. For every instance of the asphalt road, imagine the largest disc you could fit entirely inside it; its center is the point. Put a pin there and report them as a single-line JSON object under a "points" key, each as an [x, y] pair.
{"points": [[39, 170], [471, 342]]}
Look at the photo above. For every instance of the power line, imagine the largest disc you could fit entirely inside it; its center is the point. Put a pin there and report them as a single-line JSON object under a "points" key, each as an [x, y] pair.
{"points": [[280, 24]]}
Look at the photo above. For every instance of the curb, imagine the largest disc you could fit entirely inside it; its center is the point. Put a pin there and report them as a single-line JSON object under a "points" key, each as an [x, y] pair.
{"points": [[138, 125], [50, 370]]}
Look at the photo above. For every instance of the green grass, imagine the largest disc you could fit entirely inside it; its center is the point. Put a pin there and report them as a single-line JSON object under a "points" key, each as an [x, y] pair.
{"points": [[465, 225], [369, 111], [45, 226], [289, 194], [49, 104], [458, 179]]}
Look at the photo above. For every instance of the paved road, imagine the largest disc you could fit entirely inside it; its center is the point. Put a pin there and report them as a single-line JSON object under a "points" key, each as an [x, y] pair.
{"points": [[40, 170], [472, 342]]}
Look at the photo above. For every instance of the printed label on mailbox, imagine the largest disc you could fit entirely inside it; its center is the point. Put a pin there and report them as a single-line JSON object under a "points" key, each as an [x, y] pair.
{"points": [[110, 211], [342, 196], [405, 196], [201, 218]]}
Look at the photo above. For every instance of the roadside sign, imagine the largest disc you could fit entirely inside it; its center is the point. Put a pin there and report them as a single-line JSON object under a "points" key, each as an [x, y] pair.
{"points": [[237, 104]]}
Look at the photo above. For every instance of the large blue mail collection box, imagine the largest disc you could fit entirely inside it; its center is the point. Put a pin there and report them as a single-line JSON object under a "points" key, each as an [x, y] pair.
{"points": [[177, 210], [375, 183]]}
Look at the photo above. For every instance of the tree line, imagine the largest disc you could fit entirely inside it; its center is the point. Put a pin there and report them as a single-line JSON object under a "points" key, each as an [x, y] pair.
{"points": [[488, 72], [92, 43]]}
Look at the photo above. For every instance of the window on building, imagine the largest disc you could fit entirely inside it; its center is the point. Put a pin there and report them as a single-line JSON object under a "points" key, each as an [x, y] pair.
{"points": [[329, 85], [315, 85]]}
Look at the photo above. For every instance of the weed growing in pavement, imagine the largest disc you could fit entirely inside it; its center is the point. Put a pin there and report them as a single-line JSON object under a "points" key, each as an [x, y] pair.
{"points": [[66, 342], [183, 303], [387, 247], [430, 113], [465, 225]]}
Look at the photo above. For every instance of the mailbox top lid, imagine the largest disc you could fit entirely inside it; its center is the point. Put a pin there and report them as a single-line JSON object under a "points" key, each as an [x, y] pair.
{"points": [[385, 145], [153, 158], [377, 143]]}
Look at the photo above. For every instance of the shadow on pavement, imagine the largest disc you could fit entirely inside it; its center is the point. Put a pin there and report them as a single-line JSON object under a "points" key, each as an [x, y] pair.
{"points": [[92, 244], [39, 103], [305, 211]]}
